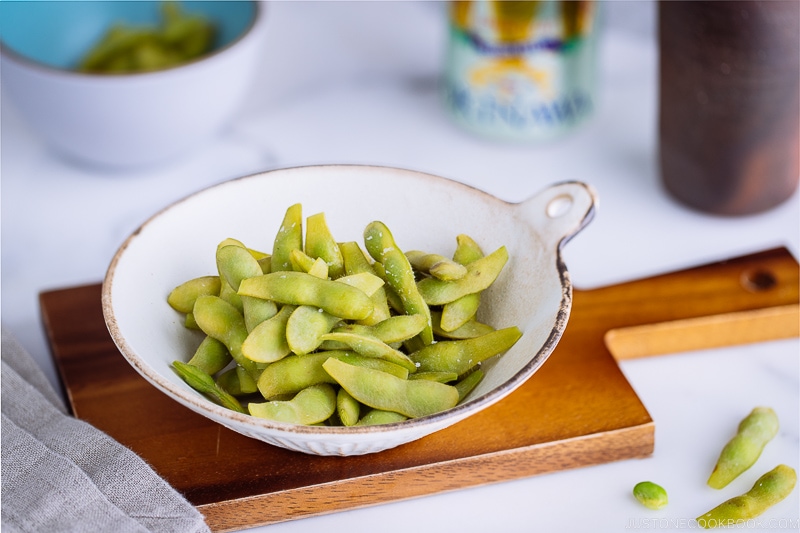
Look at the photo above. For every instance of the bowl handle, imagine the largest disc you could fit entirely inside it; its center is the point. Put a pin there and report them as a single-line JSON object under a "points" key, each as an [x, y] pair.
{"points": [[560, 211]]}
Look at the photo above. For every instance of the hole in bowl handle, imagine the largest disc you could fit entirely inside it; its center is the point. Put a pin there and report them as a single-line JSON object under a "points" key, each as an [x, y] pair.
{"points": [[560, 211]]}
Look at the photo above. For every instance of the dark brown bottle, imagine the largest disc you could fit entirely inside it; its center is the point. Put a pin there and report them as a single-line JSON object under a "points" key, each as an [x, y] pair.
{"points": [[729, 103]]}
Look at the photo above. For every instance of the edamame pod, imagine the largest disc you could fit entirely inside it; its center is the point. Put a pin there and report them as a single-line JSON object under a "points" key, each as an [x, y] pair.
{"points": [[468, 383], [381, 246], [299, 288], [356, 262], [204, 384], [222, 321], [768, 490], [237, 381], [301, 262], [441, 377], [742, 451], [436, 265], [306, 327], [391, 330], [211, 356], [311, 406], [461, 356], [456, 313], [256, 311], [347, 407], [470, 329], [375, 417], [267, 342], [182, 297], [480, 275], [383, 391], [372, 347], [292, 374], [320, 243], [288, 238], [235, 263]]}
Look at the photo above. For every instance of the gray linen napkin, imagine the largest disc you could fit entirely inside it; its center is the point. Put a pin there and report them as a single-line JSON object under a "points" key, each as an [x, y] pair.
{"points": [[62, 474]]}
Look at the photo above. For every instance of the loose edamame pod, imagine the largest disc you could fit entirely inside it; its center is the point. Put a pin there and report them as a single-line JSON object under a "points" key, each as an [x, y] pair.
{"points": [[461, 356], [742, 451], [203, 383], [383, 391], [311, 406], [768, 490], [299, 288], [399, 275], [651, 495]]}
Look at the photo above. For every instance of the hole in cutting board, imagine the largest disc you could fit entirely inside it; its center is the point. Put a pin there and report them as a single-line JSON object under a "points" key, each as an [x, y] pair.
{"points": [[758, 280]]}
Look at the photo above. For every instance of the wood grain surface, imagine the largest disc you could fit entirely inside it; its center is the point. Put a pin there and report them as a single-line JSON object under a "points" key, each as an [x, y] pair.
{"points": [[578, 410]]}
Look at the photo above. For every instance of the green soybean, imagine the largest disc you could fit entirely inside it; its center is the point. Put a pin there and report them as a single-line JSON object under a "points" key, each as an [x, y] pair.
{"points": [[383, 391], [769, 489], [300, 288], [461, 356], [742, 451], [203, 383], [480, 275], [310, 406], [381, 245], [651, 495], [182, 297]]}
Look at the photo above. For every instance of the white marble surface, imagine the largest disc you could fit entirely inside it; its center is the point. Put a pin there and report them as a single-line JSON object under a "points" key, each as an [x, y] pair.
{"points": [[356, 82]]}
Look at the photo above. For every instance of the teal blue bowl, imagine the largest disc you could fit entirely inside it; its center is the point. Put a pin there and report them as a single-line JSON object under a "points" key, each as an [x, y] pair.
{"points": [[58, 33], [128, 119]]}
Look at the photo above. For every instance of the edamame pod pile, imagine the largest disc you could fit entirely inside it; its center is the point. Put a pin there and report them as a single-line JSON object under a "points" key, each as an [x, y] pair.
{"points": [[322, 332]]}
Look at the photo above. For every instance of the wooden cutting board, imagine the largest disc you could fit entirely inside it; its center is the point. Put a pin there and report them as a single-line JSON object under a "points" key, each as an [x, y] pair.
{"points": [[578, 410]]}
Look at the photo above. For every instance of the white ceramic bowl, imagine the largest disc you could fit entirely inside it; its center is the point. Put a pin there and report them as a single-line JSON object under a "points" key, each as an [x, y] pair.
{"points": [[423, 212], [123, 120]]}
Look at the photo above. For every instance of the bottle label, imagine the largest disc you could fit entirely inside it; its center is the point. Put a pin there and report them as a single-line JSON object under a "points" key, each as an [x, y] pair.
{"points": [[521, 70]]}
